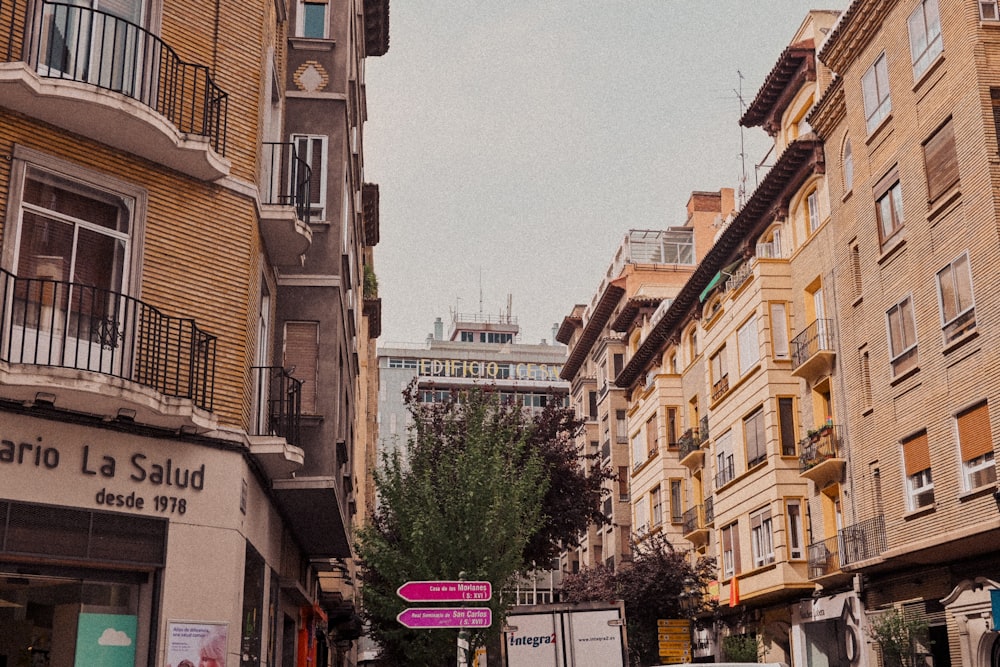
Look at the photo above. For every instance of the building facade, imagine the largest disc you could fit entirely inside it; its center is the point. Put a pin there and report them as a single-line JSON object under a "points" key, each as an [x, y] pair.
{"points": [[911, 142], [184, 334]]}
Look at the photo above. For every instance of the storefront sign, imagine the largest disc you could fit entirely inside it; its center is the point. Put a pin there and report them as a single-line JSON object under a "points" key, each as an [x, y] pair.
{"points": [[137, 481], [105, 639], [192, 644]]}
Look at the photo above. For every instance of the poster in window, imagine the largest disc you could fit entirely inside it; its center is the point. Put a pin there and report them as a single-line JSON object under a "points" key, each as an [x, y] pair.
{"points": [[194, 644], [106, 639]]}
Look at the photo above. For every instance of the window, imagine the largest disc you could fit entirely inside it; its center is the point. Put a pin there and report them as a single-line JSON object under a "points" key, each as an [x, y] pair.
{"points": [[940, 162], [312, 19], [749, 346], [724, 465], [671, 427], [856, 283], [761, 537], [958, 308], [780, 348], [621, 426], [889, 207], [875, 90], [678, 246], [753, 435], [786, 425], [638, 450], [592, 405], [652, 435], [988, 10], [617, 363], [866, 380], [976, 446], [917, 464], [312, 149], [719, 373], [925, 36], [796, 531], [730, 550], [75, 235], [655, 503], [676, 502], [812, 211], [468, 337], [902, 337], [641, 516], [623, 493], [301, 354], [848, 166]]}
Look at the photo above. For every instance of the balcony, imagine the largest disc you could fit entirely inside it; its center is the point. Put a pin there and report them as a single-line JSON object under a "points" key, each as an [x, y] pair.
{"points": [[100, 76], [697, 522], [726, 474], [689, 449], [720, 388], [285, 195], [824, 558], [275, 434], [163, 367], [813, 350], [822, 459], [863, 540]]}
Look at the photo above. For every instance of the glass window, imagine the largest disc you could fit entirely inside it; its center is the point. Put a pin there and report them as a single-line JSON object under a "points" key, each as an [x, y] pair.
{"points": [[779, 331], [725, 469], [917, 465], [312, 149], [719, 373], [730, 550], [655, 503], [958, 308], [902, 337], [641, 516], [875, 90], [976, 447], [796, 531], [638, 449], [749, 346], [652, 436], [988, 10], [925, 36], [761, 537], [786, 425], [812, 210], [889, 211], [754, 436], [676, 509], [313, 21], [848, 164]]}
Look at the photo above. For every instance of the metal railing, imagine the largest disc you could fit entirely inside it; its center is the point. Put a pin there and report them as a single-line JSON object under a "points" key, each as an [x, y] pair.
{"points": [[279, 403], [740, 276], [694, 519], [69, 325], [703, 428], [863, 540], [720, 388], [606, 450], [287, 178], [688, 442], [709, 511], [824, 444], [816, 337], [726, 474], [63, 41], [824, 557]]}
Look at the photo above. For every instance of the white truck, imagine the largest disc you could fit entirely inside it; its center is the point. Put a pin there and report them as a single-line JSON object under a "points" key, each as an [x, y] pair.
{"points": [[586, 634]]}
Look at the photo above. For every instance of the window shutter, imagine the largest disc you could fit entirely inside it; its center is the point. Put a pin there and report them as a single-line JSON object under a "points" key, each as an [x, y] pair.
{"points": [[974, 432], [941, 161], [916, 454], [302, 353]]}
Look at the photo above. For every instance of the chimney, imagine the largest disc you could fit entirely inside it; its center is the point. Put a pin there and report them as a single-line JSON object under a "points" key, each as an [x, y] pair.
{"points": [[555, 331], [438, 329]]}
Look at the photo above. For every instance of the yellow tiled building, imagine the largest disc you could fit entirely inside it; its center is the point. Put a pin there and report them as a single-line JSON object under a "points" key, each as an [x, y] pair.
{"points": [[185, 339]]}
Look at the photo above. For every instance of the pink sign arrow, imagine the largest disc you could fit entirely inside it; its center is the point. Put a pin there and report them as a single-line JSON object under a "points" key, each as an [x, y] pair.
{"points": [[446, 617], [445, 591]]}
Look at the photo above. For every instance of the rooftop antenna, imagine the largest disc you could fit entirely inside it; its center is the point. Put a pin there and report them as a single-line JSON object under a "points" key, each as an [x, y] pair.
{"points": [[742, 190]]}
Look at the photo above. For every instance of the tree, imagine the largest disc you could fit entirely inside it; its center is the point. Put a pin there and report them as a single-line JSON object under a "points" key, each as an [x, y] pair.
{"points": [[468, 499], [660, 583], [897, 636]]}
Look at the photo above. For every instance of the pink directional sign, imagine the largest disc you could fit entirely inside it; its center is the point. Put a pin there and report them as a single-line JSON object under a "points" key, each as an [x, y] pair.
{"points": [[446, 617], [445, 591]]}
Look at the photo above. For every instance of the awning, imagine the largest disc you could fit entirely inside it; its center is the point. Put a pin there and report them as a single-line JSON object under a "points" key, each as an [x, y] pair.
{"points": [[723, 274]]}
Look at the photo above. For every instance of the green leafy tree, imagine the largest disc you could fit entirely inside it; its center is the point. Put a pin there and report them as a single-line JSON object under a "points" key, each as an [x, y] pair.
{"points": [[468, 499], [897, 636], [660, 583]]}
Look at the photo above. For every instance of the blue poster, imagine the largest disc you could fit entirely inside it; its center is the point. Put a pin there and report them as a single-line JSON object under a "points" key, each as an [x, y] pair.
{"points": [[106, 639], [995, 599]]}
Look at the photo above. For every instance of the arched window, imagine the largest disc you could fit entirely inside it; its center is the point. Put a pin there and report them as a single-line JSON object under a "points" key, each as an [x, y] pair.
{"points": [[847, 160]]}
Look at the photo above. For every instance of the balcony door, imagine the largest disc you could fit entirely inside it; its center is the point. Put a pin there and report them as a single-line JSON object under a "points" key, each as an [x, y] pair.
{"points": [[71, 263], [99, 42]]}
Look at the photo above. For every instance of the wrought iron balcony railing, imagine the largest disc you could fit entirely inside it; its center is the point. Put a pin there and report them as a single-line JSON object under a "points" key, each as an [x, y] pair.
{"points": [[720, 388], [824, 557], [694, 519], [68, 325], [688, 442], [287, 178], [703, 428], [709, 511], [72, 43], [863, 540], [726, 474], [279, 403], [817, 337], [823, 444]]}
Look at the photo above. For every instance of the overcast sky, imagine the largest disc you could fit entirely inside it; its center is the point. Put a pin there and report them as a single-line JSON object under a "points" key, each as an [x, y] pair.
{"points": [[515, 142]]}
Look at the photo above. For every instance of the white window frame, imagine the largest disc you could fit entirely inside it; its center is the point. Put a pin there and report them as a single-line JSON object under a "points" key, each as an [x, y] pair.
{"points": [[926, 43], [780, 340], [848, 165], [724, 461], [796, 530], [920, 489], [638, 449], [762, 537], [641, 516], [980, 464], [812, 210], [729, 554], [300, 28], [963, 318], [909, 348], [318, 208], [748, 344], [988, 10], [876, 82], [889, 207]]}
